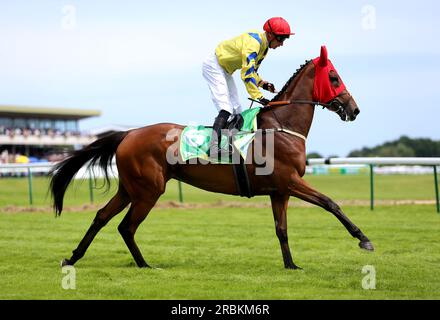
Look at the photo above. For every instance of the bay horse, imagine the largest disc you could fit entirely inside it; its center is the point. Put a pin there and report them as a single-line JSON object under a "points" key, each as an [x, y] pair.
{"points": [[144, 170]]}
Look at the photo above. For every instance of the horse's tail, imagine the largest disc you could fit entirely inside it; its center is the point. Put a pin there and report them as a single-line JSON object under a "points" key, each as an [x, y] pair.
{"points": [[101, 150]]}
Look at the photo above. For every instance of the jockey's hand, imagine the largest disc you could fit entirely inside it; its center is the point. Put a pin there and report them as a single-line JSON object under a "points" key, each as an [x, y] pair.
{"points": [[264, 101], [268, 86]]}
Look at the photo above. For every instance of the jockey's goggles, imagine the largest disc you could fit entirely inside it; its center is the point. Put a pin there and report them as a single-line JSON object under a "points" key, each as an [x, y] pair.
{"points": [[281, 37]]}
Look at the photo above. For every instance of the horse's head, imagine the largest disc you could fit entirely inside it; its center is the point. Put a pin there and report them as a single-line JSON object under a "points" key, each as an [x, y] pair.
{"points": [[329, 89]]}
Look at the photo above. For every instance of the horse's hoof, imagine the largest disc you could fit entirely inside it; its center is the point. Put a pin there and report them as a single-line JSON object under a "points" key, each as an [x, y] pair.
{"points": [[144, 265], [293, 267], [367, 245], [66, 262]]}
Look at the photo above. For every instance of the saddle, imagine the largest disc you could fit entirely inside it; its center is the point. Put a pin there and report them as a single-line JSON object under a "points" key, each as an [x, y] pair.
{"points": [[195, 142]]}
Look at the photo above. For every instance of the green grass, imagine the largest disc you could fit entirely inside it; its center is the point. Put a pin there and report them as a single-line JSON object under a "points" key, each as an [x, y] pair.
{"points": [[224, 253], [216, 252]]}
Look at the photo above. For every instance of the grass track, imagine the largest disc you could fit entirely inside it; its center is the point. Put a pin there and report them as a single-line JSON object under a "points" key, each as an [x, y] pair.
{"points": [[217, 253]]}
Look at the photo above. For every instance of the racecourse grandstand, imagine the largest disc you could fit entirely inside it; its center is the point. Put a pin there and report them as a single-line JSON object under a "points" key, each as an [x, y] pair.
{"points": [[40, 134]]}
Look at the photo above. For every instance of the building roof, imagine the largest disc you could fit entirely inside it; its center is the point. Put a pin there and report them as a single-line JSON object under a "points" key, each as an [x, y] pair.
{"points": [[44, 112], [111, 128]]}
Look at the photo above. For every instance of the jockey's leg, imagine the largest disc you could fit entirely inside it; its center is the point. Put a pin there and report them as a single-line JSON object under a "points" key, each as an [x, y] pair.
{"points": [[219, 124], [220, 84], [233, 95]]}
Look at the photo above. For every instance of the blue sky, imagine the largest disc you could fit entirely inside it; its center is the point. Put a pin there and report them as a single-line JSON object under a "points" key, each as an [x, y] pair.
{"points": [[139, 62]]}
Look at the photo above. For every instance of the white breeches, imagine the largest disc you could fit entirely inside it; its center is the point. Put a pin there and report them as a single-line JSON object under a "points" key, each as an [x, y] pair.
{"points": [[222, 85]]}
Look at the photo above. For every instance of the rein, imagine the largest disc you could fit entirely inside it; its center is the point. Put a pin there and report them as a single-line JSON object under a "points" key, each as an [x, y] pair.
{"points": [[273, 104], [336, 104], [283, 103], [287, 102]]}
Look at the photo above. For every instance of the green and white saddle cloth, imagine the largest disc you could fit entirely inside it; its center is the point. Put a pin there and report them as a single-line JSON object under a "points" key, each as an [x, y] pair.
{"points": [[195, 140]]}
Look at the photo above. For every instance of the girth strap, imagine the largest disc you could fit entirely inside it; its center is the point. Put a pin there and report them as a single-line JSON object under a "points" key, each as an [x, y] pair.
{"points": [[293, 133], [241, 176]]}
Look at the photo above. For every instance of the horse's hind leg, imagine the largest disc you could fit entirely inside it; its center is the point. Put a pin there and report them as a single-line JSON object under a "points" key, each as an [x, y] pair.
{"points": [[113, 207], [300, 189], [128, 226]]}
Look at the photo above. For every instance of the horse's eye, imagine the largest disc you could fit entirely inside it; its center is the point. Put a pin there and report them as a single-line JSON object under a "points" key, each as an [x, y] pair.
{"points": [[334, 79]]}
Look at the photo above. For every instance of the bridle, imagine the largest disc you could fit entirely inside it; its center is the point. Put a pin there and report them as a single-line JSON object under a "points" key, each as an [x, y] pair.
{"points": [[335, 105]]}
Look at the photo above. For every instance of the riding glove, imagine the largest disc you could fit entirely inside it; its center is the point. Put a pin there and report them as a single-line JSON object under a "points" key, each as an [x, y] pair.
{"points": [[264, 101], [269, 87]]}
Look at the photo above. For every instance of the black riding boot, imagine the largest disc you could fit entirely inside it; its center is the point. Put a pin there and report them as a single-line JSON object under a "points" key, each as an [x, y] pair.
{"points": [[219, 124]]}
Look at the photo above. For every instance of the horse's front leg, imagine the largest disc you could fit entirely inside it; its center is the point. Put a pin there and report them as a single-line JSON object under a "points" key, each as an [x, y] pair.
{"points": [[300, 189], [279, 208]]}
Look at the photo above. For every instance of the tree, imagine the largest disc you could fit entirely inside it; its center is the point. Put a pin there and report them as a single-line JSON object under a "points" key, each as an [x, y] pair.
{"points": [[314, 155], [402, 147]]}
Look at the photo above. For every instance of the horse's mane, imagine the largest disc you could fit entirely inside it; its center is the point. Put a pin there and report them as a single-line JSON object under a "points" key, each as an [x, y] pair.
{"points": [[290, 80]]}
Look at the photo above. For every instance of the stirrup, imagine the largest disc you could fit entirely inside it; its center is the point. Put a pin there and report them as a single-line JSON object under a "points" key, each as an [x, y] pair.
{"points": [[215, 152]]}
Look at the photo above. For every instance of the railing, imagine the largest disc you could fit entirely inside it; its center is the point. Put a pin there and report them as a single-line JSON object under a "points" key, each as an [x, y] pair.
{"points": [[371, 162], [29, 169]]}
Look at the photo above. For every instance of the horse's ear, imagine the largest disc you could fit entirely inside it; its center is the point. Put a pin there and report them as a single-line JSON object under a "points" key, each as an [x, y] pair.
{"points": [[323, 59]]}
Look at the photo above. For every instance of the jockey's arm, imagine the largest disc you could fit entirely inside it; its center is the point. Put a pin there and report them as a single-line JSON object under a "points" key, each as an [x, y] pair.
{"points": [[249, 74]]}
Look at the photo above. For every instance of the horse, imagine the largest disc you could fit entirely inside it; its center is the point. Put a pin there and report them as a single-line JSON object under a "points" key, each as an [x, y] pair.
{"points": [[144, 170]]}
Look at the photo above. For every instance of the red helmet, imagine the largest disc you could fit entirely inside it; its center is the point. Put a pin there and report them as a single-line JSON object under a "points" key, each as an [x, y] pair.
{"points": [[278, 26]]}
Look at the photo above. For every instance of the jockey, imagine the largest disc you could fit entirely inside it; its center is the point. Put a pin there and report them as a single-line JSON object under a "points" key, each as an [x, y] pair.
{"points": [[245, 52]]}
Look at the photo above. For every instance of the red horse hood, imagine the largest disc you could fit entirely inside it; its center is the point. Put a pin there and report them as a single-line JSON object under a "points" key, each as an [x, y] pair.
{"points": [[323, 90]]}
